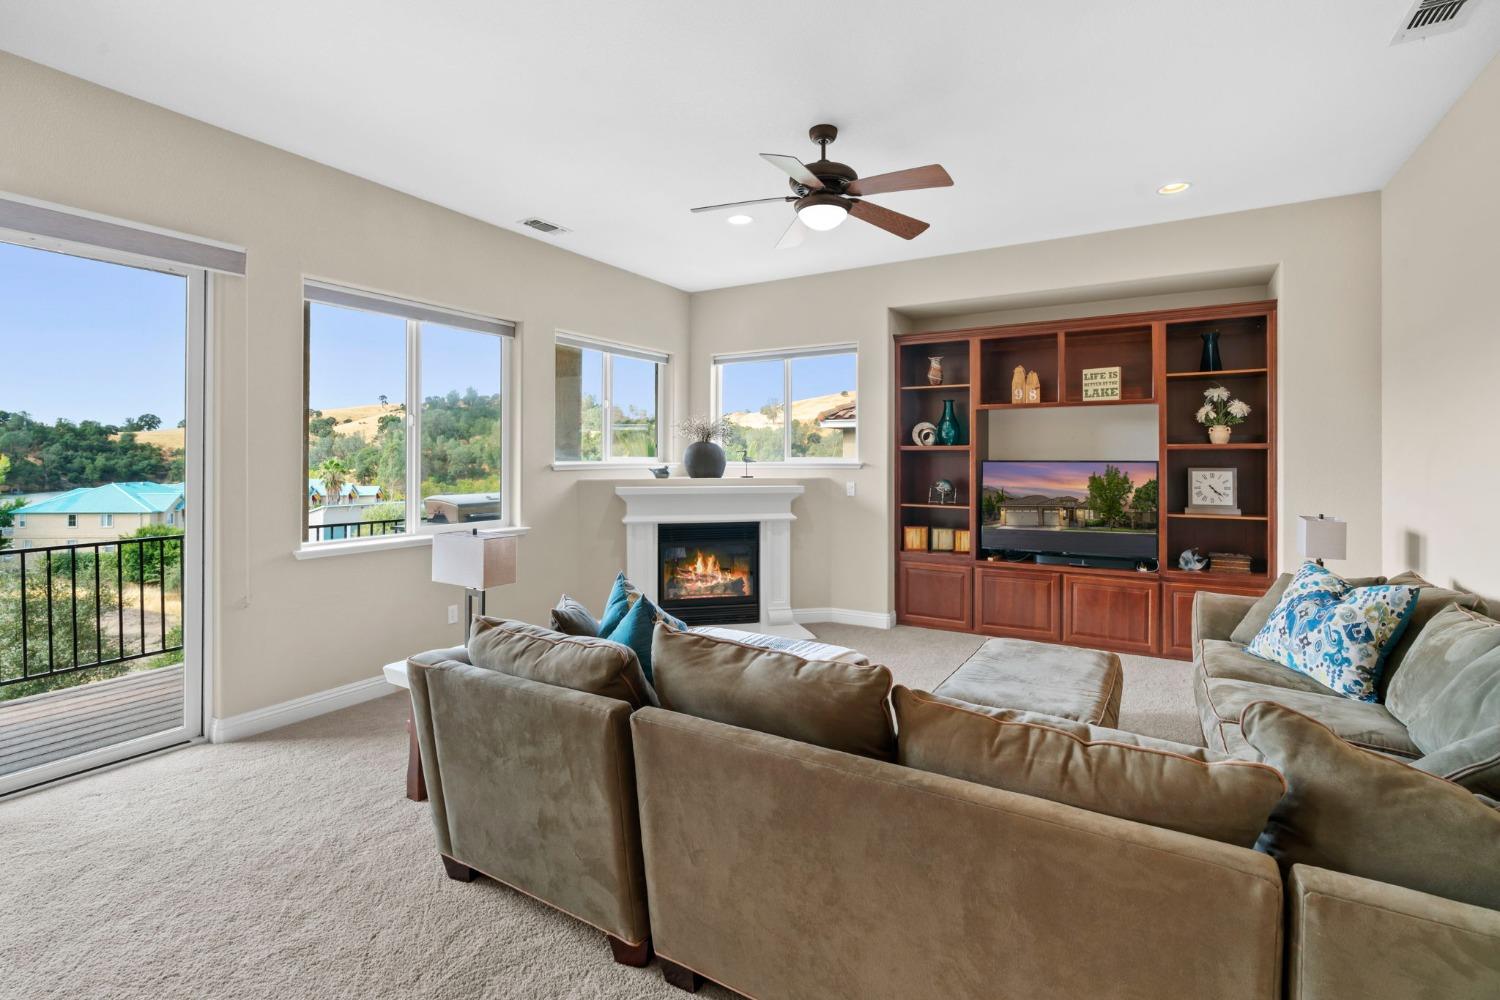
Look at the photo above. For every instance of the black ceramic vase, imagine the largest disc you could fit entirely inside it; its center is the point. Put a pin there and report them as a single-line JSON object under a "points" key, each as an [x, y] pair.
{"points": [[704, 460], [1210, 362]]}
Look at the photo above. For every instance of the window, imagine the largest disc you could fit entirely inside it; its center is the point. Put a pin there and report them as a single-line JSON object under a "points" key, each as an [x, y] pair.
{"points": [[72, 520], [608, 402], [106, 520], [790, 406], [406, 411]]}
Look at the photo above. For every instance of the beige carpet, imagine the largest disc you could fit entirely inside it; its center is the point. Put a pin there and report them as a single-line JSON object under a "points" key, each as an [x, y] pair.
{"points": [[291, 865]]}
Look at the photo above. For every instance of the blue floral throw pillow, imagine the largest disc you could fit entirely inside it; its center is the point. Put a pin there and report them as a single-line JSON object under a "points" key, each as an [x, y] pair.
{"points": [[1336, 634]]}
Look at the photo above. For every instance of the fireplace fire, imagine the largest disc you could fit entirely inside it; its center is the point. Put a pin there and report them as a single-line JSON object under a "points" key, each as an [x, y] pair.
{"points": [[708, 572]]}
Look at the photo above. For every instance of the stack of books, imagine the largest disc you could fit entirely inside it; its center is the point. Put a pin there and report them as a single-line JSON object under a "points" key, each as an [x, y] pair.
{"points": [[1228, 562]]}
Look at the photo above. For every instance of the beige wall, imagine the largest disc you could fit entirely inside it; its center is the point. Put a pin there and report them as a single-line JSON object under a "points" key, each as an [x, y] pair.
{"points": [[1323, 258], [1440, 219], [290, 628]]}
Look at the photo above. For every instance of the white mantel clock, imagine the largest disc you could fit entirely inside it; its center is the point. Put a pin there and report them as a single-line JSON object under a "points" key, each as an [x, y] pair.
{"points": [[1213, 491]]}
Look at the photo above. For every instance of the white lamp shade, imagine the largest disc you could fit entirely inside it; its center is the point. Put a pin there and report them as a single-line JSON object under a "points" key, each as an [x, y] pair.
{"points": [[475, 561], [1321, 537]]}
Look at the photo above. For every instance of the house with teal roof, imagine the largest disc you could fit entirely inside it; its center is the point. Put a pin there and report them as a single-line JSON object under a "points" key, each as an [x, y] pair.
{"points": [[98, 514]]}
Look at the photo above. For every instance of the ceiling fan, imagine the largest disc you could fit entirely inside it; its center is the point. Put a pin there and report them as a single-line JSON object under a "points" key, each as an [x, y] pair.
{"points": [[825, 192]]}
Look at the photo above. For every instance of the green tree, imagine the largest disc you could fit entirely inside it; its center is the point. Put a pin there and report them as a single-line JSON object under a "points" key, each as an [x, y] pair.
{"points": [[1144, 504], [150, 562], [334, 474], [1108, 495]]}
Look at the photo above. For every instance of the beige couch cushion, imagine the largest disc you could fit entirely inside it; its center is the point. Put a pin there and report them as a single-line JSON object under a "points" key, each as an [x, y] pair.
{"points": [[1064, 681], [581, 663], [833, 704], [1450, 687], [1430, 601], [1230, 662], [1151, 781], [1363, 723], [1365, 814]]}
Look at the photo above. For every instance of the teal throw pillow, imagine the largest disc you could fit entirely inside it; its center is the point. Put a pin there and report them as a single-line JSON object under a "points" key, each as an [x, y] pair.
{"points": [[1335, 633], [635, 630], [616, 605]]}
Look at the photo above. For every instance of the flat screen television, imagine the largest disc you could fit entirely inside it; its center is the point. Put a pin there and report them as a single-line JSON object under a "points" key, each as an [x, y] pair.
{"points": [[1076, 513]]}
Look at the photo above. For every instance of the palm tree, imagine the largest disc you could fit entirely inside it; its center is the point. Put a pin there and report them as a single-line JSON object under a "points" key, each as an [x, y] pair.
{"points": [[334, 474]]}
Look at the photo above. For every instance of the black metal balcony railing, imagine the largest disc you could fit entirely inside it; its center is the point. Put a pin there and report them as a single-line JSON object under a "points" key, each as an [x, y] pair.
{"points": [[68, 608], [355, 529]]}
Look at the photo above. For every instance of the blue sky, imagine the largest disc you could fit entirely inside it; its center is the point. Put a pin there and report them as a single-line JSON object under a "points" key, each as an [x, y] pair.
{"points": [[749, 385], [85, 340]]}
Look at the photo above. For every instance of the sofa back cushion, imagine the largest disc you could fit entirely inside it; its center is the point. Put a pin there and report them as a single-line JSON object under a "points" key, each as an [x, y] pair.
{"points": [[1150, 781], [1336, 634], [539, 654], [1430, 600], [1450, 685], [841, 706], [1362, 813]]}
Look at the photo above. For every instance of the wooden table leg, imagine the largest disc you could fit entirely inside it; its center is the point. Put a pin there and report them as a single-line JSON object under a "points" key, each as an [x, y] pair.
{"points": [[416, 785]]}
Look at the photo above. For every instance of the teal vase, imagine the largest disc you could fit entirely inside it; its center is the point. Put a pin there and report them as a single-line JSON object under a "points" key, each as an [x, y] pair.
{"points": [[947, 428]]}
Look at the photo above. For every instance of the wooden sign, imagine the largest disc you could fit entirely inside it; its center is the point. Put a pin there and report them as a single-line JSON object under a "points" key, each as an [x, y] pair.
{"points": [[1101, 383]]}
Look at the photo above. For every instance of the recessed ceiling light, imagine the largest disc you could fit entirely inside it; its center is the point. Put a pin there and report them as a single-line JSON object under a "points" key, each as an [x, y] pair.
{"points": [[1175, 187], [739, 220]]}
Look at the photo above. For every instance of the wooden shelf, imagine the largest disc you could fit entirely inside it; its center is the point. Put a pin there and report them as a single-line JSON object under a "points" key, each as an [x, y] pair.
{"points": [[1016, 406], [1225, 373], [1220, 517], [919, 555], [932, 388], [935, 447], [1231, 446], [938, 506], [1248, 581]]}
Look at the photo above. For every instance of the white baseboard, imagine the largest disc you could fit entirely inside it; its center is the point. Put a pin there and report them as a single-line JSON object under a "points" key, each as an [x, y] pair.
{"points": [[237, 727], [844, 616]]}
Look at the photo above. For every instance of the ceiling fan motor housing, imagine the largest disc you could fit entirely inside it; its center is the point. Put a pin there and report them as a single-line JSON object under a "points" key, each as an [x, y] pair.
{"points": [[836, 177]]}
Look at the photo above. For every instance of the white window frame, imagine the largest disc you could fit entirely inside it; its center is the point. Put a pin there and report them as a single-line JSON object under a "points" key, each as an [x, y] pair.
{"points": [[786, 357], [106, 520], [415, 314], [610, 350]]}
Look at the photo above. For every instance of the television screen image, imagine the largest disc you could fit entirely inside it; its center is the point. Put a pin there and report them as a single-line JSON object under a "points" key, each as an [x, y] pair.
{"points": [[1077, 511]]}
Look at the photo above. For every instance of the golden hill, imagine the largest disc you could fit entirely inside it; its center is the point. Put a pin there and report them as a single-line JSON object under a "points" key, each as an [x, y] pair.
{"points": [[803, 410], [348, 420]]}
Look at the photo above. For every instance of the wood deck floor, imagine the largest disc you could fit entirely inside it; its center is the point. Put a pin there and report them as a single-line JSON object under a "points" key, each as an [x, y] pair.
{"points": [[59, 724]]}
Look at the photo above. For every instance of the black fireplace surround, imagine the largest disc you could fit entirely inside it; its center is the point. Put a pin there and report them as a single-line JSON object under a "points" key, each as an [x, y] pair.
{"points": [[709, 574]]}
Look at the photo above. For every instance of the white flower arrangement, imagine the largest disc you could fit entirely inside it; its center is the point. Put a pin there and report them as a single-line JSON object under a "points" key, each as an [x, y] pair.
{"points": [[1220, 410]]}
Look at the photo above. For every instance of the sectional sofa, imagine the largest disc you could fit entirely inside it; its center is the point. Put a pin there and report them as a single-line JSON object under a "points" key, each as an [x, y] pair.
{"points": [[798, 847]]}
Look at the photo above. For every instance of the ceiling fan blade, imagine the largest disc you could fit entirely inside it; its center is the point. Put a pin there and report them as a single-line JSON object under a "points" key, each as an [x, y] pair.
{"points": [[794, 169], [793, 236], [737, 204], [930, 176], [903, 226]]}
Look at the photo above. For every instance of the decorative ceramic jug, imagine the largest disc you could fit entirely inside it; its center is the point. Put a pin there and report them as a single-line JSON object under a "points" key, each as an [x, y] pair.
{"points": [[948, 430], [1219, 434], [1210, 360], [935, 371]]}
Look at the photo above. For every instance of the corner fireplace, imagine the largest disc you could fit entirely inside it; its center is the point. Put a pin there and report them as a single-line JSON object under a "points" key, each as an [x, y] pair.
{"points": [[709, 574]]}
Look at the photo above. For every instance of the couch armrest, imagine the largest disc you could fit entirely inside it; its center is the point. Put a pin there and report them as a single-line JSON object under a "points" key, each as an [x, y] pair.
{"points": [[1215, 616], [457, 654], [1353, 937]]}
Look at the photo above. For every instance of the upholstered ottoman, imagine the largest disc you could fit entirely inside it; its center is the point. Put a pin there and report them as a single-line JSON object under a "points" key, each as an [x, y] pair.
{"points": [[1079, 684]]}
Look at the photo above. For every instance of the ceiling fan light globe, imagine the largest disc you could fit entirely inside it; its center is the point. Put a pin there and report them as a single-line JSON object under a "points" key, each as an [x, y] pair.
{"points": [[822, 216]]}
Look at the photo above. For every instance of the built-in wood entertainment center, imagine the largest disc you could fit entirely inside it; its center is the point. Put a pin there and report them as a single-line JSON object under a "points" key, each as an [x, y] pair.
{"points": [[1158, 353]]}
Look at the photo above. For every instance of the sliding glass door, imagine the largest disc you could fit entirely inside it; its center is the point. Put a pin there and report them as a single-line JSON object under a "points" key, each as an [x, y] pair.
{"points": [[101, 507]]}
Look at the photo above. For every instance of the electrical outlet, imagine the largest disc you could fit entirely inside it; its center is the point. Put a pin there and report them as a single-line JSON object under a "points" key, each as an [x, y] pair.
{"points": [[453, 614], [849, 488]]}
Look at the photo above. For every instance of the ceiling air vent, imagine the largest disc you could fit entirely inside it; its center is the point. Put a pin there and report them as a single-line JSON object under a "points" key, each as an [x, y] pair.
{"points": [[1433, 17], [543, 226]]}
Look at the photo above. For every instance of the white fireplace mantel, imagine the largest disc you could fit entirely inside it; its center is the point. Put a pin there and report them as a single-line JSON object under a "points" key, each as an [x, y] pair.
{"points": [[646, 507]]}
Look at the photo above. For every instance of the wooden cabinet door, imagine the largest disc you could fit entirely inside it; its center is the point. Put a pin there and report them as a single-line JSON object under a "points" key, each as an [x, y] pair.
{"points": [[1109, 613], [935, 594], [1177, 616], [1018, 603]]}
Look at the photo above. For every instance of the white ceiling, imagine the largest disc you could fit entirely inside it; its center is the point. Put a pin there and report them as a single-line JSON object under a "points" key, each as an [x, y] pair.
{"points": [[613, 118]]}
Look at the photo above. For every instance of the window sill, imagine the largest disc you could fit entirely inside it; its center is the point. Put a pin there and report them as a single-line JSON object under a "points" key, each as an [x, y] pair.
{"points": [[642, 465], [794, 466], [323, 550]]}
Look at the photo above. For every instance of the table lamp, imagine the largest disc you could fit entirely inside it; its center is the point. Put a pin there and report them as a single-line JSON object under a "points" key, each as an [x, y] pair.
{"points": [[475, 561], [1321, 537]]}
